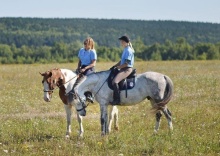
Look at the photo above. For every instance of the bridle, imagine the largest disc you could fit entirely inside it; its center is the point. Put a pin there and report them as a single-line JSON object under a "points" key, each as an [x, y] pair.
{"points": [[52, 90], [84, 105]]}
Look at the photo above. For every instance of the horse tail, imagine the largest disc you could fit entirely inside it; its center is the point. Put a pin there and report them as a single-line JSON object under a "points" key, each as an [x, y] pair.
{"points": [[168, 93]]}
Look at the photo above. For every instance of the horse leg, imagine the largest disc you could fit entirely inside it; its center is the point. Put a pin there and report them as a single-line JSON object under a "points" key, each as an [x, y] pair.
{"points": [[113, 114], [116, 118], [104, 119], [158, 119], [68, 119], [168, 114], [81, 130]]}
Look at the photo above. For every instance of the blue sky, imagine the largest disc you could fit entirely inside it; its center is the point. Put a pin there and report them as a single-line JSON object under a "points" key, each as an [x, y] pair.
{"points": [[187, 10]]}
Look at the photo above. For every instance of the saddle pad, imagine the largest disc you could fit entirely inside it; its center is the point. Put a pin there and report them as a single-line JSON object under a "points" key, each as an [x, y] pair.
{"points": [[127, 83]]}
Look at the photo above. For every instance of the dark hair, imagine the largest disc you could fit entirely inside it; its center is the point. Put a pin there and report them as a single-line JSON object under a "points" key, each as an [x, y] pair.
{"points": [[124, 38]]}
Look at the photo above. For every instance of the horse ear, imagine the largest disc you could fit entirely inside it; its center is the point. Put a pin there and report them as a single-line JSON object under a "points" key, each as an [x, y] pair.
{"points": [[50, 74], [42, 74]]}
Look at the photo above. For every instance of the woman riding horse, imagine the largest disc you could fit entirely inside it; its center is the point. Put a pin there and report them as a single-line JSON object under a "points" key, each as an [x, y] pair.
{"points": [[124, 65], [87, 57]]}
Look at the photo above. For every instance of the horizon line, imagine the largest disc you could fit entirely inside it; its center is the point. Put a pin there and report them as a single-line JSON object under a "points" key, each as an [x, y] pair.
{"points": [[94, 18]]}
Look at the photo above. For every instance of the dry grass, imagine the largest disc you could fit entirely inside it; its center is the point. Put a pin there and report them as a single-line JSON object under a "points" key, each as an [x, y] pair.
{"points": [[29, 126]]}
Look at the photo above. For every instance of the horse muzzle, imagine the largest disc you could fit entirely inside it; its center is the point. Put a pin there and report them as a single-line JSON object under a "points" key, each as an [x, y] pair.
{"points": [[47, 96], [46, 99], [82, 112]]}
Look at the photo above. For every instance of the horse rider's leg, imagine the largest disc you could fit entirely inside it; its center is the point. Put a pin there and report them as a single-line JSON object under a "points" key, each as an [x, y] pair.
{"points": [[68, 119], [113, 115], [81, 130], [115, 110], [104, 119], [168, 115], [122, 75], [158, 119]]}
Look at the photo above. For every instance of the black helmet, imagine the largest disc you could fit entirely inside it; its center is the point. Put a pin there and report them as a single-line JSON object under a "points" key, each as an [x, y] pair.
{"points": [[124, 38]]}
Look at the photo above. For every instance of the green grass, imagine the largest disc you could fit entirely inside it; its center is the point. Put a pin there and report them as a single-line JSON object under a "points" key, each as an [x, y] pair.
{"points": [[30, 126]]}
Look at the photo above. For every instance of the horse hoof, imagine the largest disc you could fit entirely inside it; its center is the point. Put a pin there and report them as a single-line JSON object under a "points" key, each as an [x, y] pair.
{"points": [[171, 128], [80, 136], [102, 134], [155, 131], [67, 137]]}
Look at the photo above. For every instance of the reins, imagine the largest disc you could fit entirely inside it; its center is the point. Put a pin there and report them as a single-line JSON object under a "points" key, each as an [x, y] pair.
{"points": [[84, 105], [101, 87]]}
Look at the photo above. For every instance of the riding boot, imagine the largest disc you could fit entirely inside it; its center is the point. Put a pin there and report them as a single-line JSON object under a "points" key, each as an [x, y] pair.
{"points": [[116, 95]]}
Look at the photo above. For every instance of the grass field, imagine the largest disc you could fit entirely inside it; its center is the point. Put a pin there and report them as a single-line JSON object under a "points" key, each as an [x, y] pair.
{"points": [[30, 126]]}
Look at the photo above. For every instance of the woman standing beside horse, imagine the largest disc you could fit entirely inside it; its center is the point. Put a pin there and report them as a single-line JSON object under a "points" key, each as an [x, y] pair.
{"points": [[124, 65], [87, 57]]}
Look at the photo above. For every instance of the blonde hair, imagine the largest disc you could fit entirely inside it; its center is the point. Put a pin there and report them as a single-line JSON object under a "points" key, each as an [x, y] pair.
{"points": [[130, 45], [90, 42]]}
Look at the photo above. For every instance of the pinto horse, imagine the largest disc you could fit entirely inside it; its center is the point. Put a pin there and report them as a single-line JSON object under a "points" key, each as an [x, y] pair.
{"points": [[156, 87], [64, 79]]}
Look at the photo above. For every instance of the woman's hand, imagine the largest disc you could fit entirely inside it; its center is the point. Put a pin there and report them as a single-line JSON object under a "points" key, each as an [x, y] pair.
{"points": [[122, 66], [82, 70]]}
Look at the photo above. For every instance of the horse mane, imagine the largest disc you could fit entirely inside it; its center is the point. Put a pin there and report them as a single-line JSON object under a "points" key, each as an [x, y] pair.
{"points": [[90, 76], [100, 72]]}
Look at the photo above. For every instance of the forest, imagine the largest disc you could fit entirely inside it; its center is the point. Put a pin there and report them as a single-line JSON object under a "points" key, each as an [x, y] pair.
{"points": [[38, 40]]}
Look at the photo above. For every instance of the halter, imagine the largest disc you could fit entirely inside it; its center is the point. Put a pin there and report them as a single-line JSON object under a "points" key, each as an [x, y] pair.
{"points": [[84, 105], [51, 90]]}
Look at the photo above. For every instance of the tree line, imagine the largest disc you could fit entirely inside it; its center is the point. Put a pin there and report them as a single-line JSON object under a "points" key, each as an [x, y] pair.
{"points": [[61, 52], [45, 32], [37, 40]]}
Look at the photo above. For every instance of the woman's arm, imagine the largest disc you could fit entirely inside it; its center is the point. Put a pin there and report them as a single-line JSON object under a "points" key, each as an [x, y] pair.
{"points": [[128, 57], [89, 66], [117, 64], [79, 65], [122, 66]]}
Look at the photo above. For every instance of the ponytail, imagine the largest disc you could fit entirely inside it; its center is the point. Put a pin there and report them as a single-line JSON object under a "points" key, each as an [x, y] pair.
{"points": [[130, 45]]}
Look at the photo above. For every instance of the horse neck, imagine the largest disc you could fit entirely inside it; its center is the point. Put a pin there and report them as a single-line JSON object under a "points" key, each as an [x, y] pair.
{"points": [[70, 79], [92, 82]]}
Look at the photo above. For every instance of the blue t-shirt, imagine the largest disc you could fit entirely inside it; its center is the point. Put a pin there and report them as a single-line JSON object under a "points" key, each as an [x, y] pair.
{"points": [[86, 56], [128, 54]]}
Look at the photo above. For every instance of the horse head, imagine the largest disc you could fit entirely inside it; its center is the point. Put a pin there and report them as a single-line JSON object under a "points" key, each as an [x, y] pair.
{"points": [[80, 105], [79, 100], [51, 79]]}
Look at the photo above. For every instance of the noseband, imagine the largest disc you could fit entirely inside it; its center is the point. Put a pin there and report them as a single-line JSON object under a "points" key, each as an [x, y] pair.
{"points": [[84, 105], [50, 90]]}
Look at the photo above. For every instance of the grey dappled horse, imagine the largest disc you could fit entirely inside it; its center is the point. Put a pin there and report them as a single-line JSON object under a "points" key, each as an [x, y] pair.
{"points": [[156, 87]]}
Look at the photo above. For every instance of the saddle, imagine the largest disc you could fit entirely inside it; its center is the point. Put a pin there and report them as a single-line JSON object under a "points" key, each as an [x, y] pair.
{"points": [[125, 84]]}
